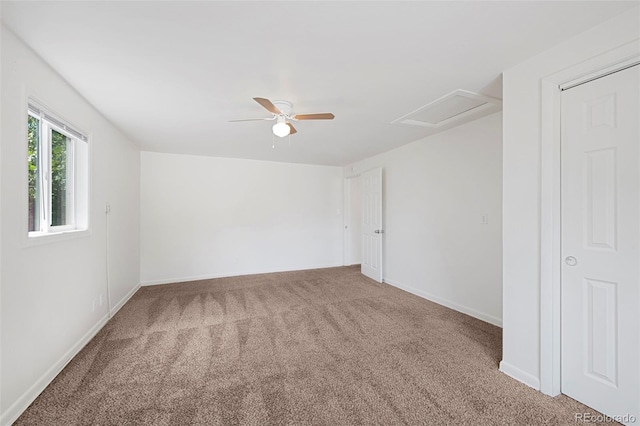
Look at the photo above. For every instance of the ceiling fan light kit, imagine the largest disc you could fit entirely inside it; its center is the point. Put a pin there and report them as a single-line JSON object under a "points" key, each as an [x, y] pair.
{"points": [[281, 111], [281, 129]]}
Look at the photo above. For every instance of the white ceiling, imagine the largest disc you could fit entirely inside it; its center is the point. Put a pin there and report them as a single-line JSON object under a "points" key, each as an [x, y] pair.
{"points": [[171, 74]]}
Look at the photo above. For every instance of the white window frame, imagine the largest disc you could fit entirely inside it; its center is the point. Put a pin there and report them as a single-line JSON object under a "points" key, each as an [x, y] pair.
{"points": [[48, 123]]}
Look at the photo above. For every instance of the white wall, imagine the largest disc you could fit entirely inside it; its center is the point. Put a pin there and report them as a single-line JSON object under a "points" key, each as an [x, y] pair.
{"points": [[522, 174], [48, 289], [208, 217], [435, 192], [1, 33]]}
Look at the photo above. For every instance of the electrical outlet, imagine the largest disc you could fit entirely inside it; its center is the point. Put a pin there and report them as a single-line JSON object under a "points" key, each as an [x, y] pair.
{"points": [[100, 300], [93, 305]]}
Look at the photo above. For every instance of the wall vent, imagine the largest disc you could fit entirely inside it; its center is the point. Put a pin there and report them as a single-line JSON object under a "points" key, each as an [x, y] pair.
{"points": [[453, 108]]}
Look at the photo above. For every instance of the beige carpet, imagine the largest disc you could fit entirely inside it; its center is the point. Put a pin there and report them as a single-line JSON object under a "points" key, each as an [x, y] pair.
{"points": [[322, 347]]}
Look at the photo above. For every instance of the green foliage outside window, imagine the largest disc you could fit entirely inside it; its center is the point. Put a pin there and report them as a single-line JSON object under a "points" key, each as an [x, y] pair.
{"points": [[33, 130], [59, 156], [59, 171]]}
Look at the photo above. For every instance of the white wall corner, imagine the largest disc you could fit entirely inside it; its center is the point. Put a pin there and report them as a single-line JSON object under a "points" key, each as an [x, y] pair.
{"points": [[520, 375]]}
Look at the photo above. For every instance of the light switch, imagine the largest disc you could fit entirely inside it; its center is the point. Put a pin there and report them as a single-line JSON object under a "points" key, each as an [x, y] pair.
{"points": [[485, 219]]}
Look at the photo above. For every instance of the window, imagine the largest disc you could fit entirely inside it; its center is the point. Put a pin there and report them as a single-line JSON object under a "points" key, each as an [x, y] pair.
{"points": [[58, 175]]}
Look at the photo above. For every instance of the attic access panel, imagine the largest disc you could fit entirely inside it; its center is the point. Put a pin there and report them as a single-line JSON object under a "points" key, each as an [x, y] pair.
{"points": [[452, 109]]}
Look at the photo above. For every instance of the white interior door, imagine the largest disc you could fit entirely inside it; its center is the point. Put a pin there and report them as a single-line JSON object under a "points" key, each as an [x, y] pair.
{"points": [[354, 229], [372, 224], [600, 244]]}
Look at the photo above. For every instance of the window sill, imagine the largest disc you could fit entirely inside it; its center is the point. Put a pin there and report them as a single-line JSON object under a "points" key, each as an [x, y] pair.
{"points": [[40, 238]]}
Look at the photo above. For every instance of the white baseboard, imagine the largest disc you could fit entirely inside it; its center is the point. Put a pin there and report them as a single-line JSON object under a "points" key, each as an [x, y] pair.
{"points": [[13, 412], [448, 303], [124, 300], [18, 407], [520, 375], [237, 274]]}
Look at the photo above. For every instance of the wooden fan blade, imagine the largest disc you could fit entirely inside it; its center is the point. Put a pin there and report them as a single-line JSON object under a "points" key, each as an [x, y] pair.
{"points": [[266, 104], [293, 129], [251, 119], [320, 116]]}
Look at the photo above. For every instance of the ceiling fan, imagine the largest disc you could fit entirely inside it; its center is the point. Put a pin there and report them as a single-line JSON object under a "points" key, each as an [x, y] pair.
{"points": [[281, 111]]}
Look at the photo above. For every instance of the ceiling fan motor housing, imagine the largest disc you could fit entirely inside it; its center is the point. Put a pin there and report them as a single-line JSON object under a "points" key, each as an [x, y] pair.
{"points": [[284, 107]]}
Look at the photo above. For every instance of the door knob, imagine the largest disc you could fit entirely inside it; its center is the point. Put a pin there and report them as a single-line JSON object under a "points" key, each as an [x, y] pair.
{"points": [[571, 261]]}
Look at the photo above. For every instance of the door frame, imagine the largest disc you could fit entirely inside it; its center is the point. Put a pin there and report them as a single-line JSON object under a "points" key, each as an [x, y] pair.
{"points": [[550, 213]]}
